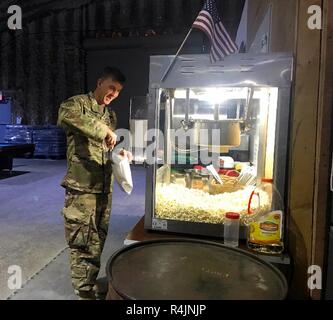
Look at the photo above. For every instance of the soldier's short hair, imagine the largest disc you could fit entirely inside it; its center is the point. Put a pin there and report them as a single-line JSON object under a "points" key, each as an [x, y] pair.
{"points": [[114, 73]]}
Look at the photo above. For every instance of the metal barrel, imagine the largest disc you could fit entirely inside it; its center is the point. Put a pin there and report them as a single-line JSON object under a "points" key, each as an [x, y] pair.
{"points": [[188, 269]]}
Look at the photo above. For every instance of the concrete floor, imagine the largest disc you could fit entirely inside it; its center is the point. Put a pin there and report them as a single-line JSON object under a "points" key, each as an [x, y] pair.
{"points": [[32, 232]]}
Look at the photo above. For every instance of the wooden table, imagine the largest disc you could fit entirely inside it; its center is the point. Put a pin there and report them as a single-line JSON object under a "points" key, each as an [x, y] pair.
{"points": [[138, 233]]}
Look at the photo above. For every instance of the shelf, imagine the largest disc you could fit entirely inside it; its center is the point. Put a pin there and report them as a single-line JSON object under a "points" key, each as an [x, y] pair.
{"points": [[138, 233]]}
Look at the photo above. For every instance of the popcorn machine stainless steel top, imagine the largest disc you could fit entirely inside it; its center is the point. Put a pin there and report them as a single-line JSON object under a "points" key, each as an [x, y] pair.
{"points": [[236, 110]]}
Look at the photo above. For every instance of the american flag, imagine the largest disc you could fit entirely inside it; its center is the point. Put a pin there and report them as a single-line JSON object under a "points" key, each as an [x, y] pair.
{"points": [[210, 22]]}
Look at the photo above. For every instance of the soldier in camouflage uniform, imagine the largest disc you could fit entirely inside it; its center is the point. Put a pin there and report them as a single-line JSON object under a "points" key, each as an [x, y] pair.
{"points": [[89, 126]]}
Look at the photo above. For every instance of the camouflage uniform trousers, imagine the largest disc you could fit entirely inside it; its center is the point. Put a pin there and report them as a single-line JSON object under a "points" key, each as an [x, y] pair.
{"points": [[86, 218]]}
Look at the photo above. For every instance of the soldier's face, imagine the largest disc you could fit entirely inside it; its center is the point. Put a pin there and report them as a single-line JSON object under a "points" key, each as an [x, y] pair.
{"points": [[107, 90]]}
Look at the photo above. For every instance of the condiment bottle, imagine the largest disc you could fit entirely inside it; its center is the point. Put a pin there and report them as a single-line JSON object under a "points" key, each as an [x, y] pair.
{"points": [[265, 227], [231, 229]]}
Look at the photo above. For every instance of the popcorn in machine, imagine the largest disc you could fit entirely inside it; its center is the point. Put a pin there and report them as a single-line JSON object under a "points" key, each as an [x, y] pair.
{"points": [[232, 117]]}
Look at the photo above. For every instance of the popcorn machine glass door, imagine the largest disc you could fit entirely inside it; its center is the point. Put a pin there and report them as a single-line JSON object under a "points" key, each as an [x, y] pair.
{"points": [[184, 189]]}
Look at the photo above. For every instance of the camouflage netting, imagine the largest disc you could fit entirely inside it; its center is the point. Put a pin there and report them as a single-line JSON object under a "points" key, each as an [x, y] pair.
{"points": [[44, 63]]}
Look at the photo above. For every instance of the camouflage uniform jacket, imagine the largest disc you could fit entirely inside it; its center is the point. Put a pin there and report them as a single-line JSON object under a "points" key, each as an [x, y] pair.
{"points": [[85, 123]]}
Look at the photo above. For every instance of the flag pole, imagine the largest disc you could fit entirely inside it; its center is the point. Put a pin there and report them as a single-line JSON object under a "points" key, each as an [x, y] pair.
{"points": [[175, 57]]}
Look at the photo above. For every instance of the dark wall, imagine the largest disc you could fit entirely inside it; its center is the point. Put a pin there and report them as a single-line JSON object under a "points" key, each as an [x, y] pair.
{"points": [[45, 63], [133, 59], [133, 63]]}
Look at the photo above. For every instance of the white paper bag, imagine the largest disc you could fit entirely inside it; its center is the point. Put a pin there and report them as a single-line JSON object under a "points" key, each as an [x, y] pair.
{"points": [[122, 172]]}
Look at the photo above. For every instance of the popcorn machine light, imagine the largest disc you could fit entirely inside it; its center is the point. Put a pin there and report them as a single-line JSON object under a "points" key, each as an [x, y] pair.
{"points": [[237, 108]]}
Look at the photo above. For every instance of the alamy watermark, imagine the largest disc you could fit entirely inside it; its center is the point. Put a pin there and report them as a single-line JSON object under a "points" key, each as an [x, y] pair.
{"points": [[14, 20], [315, 277], [204, 145], [315, 19], [13, 277]]}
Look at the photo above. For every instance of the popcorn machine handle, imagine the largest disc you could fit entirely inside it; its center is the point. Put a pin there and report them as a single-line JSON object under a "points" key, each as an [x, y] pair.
{"points": [[249, 211]]}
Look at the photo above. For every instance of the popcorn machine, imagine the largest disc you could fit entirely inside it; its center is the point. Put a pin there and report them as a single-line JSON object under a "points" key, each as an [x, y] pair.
{"points": [[213, 131]]}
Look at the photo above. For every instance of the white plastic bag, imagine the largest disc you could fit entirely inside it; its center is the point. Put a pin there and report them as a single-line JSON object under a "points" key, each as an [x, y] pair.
{"points": [[122, 172]]}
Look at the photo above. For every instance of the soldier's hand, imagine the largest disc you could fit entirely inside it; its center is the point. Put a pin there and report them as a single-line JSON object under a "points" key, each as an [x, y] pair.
{"points": [[126, 154], [110, 139]]}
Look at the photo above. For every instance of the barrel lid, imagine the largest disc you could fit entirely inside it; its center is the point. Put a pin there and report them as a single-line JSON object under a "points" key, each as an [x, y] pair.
{"points": [[176, 269]]}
